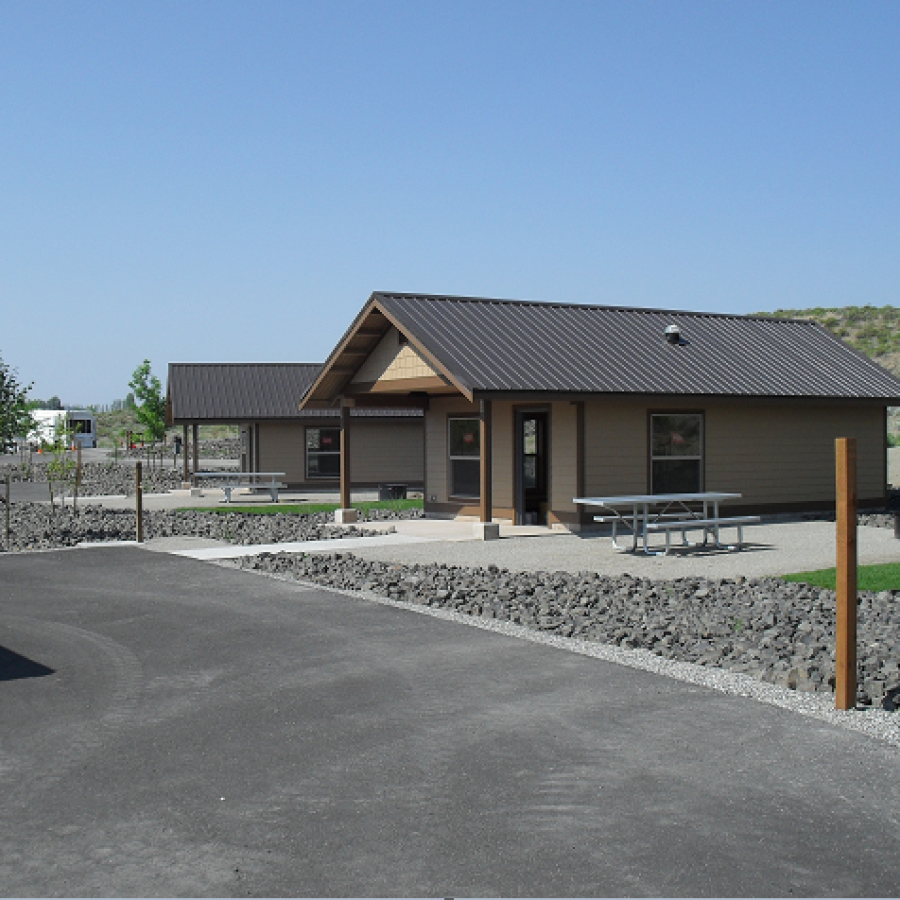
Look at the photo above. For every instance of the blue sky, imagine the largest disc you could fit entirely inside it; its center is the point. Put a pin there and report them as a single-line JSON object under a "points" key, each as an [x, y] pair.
{"points": [[218, 181]]}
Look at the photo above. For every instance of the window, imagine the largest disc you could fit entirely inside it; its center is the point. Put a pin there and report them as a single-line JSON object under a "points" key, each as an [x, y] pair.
{"points": [[465, 457], [676, 453], [323, 452]]}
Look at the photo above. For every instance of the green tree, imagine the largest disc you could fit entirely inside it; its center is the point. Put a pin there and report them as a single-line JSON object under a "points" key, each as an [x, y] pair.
{"points": [[151, 411], [61, 470], [15, 419]]}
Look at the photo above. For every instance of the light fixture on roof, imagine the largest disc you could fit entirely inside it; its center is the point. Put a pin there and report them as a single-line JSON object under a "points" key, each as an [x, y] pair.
{"points": [[673, 334]]}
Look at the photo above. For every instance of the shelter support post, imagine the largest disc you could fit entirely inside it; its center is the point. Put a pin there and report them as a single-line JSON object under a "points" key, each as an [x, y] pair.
{"points": [[486, 529], [845, 649], [195, 452], [184, 457], [346, 514]]}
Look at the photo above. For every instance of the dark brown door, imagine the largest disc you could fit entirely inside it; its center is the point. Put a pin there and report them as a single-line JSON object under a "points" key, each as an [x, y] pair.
{"points": [[533, 467]]}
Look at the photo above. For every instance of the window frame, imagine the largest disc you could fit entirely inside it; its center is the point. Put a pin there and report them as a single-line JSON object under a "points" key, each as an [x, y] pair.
{"points": [[700, 457], [307, 452], [451, 458]]}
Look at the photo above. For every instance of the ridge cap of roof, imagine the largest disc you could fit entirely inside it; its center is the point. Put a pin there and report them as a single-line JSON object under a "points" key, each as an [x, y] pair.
{"points": [[246, 364], [549, 304]]}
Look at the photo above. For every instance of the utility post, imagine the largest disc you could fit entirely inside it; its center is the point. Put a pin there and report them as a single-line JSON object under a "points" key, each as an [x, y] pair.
{"points": [[845, 649], [139, 502], [8, 543]]}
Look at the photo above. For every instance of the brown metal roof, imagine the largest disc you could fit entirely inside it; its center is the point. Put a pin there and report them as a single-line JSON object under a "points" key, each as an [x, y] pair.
{"points": [[487, 345], [249, 392]]}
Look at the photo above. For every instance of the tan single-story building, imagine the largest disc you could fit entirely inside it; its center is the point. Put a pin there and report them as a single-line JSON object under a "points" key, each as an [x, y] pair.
{"points": [[530, 405], [277, 436]]}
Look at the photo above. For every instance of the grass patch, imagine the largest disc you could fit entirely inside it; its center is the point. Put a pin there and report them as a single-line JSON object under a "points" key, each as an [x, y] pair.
{"points": [[302, 509], [883, 577]]}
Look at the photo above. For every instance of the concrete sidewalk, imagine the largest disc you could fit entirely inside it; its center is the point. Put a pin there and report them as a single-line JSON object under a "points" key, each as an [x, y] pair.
{"points": [[775, 548]]}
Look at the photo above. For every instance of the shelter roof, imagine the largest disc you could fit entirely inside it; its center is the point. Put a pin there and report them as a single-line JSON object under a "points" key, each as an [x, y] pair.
{"points": [[486, 346], [248, 392]]}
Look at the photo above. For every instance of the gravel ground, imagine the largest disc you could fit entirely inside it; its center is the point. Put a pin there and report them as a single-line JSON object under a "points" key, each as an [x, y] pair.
{"points": [[213, 448], [34, 527], [103, 479], [773, 631]]}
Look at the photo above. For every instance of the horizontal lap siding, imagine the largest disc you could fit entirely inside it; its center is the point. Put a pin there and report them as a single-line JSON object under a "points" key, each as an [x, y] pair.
{"points": [[379, 452], [563, 457], [502, 457], [784, 452], [771, 452], [615, 451], [281, 449], [387, 451]]}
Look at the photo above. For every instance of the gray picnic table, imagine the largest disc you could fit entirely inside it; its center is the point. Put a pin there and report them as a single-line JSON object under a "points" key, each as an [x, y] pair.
{"points": [[647, 514]]}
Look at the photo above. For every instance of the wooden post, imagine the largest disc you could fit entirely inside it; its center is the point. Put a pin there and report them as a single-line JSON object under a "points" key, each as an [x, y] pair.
{"points": [[77, 470], [845, 650], [139, 502], [195, 451], [184, 453], [487, 506], [345, 457], [8, 544]]}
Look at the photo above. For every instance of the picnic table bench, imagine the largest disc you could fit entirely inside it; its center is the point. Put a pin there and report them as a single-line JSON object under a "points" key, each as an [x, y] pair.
{"points": [[665, 513], [248, 480]]}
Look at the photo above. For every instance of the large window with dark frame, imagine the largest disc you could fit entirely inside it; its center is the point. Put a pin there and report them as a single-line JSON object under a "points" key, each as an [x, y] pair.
{"points": [[323, 453], [676, 453], [464, 441]]}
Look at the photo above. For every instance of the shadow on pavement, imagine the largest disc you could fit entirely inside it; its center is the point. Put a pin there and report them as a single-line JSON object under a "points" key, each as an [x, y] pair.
{"points": [[13, 666]]}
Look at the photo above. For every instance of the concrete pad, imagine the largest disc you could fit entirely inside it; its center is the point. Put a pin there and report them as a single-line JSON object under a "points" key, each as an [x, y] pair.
{"points": [[771, 549]]}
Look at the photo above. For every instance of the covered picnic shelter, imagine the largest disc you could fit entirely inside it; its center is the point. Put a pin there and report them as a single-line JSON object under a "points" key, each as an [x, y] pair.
{"points": [[276, 435]]}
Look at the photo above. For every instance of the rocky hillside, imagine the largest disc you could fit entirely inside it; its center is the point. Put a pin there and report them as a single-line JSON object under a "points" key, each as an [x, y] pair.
{"points": [[873, 330]]}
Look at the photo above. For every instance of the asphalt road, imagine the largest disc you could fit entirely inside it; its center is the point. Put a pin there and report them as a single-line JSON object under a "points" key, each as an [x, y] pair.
{"points": [[170, 727]]}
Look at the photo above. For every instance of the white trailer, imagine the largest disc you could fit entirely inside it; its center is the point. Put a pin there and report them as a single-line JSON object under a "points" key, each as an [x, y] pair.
{"points": [[52, 424]]}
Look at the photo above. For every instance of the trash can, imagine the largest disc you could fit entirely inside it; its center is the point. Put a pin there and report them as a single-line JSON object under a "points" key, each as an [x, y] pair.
{"points": [[392, 492]]}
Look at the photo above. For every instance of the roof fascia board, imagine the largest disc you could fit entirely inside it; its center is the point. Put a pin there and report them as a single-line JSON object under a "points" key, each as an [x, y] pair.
{"points": [[529, 396]]}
